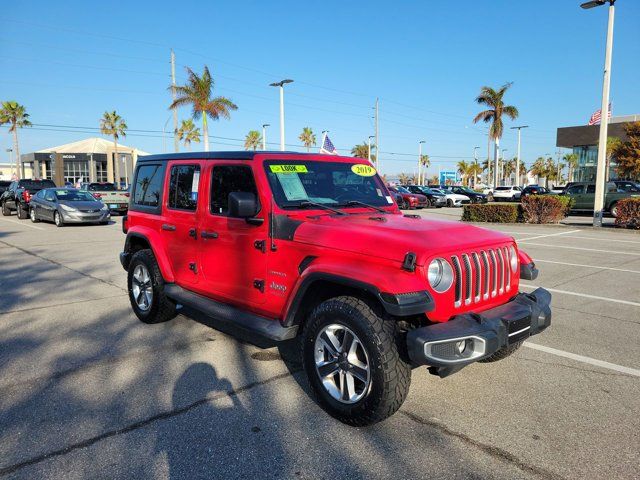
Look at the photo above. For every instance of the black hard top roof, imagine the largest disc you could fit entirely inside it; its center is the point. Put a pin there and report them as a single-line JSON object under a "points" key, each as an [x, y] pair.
{"points": [[237, 155]]}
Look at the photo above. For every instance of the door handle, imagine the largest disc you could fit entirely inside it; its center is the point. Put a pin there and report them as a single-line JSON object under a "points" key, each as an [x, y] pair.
{"points": [[169, 228], [193, 233], [205, 234]]}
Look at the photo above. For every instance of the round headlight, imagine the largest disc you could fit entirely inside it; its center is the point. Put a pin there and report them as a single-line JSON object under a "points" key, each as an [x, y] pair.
{"points": [[514, 258], [440, 275]]}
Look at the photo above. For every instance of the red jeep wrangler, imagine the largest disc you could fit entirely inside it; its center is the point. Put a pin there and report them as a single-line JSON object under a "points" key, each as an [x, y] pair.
{"points": [[286, 245]]}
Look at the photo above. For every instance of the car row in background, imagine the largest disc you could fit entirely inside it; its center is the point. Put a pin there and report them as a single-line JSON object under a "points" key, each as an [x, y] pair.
{"points": [[17, 196], [407, 200], [434, 199], [68, 205]]}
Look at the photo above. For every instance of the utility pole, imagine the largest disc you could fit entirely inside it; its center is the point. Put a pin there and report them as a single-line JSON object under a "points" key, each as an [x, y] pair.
{"points": [[264, 135], [369, 149], [520, 127], [377, 139], [173, 95]]}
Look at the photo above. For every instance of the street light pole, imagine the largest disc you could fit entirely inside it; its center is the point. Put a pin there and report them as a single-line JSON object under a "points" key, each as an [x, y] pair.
{"points": [[475, 161], [598, 205], [502, 164], [264, 135], [281, 85], [420, 161], [369, 150], [518, 154]]}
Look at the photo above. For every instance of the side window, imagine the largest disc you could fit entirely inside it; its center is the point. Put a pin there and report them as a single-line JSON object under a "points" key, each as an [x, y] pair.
{"points": [[148, 186], [226, 179], [183, 187], [575, 189], [591, 189], [40, 194]]}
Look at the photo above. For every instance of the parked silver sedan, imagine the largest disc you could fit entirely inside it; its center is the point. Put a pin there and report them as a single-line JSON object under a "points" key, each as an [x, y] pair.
{"points": [[67, 205]]}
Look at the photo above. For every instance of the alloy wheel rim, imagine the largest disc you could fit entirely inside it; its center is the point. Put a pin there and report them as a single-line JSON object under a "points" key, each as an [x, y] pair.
{"points": [[141, 288], [57, 218], [342, 363], [33, 215]]}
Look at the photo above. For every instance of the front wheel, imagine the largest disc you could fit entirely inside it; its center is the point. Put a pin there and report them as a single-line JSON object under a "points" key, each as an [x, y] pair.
{"points": [[57, 219], [352, 361], [5, 210], [146, 289], [33, 216], [614, 210], [449, 203], [22, 214]]}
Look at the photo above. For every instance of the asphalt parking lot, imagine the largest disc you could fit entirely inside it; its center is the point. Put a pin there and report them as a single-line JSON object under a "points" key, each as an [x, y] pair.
{"points": [[90, 392]]}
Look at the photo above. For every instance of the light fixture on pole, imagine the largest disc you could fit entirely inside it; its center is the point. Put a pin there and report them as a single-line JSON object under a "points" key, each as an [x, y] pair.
{"points": [[520, 127], [281, 84], [369, 147], [264, 135], [420, 161], [598, 204]]}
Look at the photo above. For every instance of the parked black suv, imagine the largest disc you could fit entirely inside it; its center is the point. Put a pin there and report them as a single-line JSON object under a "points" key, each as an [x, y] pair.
{"points": [[534, 190], [435, 199], [475, 197], [18, 195]]}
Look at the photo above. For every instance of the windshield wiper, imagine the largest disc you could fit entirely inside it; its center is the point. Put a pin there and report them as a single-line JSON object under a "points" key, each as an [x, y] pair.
{"points": [[308, 203], [352, 203]]}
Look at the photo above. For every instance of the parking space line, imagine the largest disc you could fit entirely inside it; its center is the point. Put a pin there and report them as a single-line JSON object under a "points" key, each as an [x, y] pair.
{"points": [[549, 235], [604, 239], [588, 266], [584, 295], [636, 254], [583, 359], [23, 224]]}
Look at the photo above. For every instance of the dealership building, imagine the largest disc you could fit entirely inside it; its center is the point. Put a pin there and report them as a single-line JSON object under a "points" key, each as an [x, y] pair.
{"points": [[89, 160], [583, 141]]}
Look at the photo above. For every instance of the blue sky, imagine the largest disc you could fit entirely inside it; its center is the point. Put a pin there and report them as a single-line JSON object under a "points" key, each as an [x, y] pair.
{"points": [[68, 62]]}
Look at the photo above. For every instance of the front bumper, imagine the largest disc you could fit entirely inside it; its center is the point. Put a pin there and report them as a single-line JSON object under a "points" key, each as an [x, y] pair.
{"points": [[83, 217], [481, 334]]}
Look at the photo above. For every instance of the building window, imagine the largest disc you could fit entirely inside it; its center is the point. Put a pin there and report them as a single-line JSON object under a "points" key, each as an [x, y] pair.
{"points": [[76, 170], [101, 172]]}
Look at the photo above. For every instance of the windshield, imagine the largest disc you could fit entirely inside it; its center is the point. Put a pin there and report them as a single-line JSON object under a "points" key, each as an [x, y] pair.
{"points": [[294, 183], [402, 189], [103, 187], [74, 196], [468, 190], [437, 190]]}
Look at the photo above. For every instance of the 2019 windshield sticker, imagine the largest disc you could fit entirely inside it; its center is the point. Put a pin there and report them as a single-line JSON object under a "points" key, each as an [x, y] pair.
{"points": [[288, 168], [363, 170]]}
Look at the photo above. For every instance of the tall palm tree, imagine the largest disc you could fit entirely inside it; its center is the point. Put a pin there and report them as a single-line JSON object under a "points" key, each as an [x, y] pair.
{"points": [[197, 94], [361, 150], [463, 167], [425, 162], [252, 140], [15, 115], [572, 163], [114, 125], [188, 132], [539, 168], [307, 137], [403, 178], [494, 100], [523, 172], [474, 171], [486, 167]]}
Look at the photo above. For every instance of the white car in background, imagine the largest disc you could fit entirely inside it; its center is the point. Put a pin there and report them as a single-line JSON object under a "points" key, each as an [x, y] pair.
{"points": [[453, 199], [507, 193]]}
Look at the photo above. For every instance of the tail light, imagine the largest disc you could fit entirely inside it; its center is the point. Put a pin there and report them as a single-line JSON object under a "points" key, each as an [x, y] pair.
{"points": [[97, 196], [26, 196], [126, 194]]}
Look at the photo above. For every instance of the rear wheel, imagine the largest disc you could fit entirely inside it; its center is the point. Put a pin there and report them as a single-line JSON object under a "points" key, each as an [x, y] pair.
{"points": [[146, 289], [614, 210], [5, 210], [33, 216], [352, 361], [22, 213], [57, 219]]}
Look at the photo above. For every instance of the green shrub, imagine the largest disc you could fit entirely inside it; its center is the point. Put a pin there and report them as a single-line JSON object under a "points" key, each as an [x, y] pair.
{"points": [[545, 208], [491, 212], [628, 213]]}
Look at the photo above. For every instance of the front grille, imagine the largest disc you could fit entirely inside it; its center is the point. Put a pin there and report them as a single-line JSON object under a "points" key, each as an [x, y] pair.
{"points": [[481, 274]]}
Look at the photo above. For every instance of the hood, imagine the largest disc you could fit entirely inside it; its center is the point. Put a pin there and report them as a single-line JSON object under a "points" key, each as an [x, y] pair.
{"points": [[88, 205], [392, 236]]}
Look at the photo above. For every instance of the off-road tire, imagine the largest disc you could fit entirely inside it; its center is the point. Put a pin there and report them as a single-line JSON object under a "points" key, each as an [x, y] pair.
{"points": [[504, 352], [162, 308], [390, 374], [5, 210], [22, 215]]}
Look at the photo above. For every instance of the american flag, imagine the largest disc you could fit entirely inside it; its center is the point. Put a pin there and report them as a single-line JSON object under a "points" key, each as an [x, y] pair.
{"points": [[597, 116], [327, 147]]}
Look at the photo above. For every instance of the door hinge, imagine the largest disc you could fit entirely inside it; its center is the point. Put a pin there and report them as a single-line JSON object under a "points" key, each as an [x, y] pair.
{"points": [[260, 245], [259, 284]]}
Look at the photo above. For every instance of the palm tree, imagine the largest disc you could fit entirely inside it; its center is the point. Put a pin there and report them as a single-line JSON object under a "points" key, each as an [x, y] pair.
{"points": [[522, 172], [307, 137], [486, 167], [113, 124], [16, 115], [463, 167], [539, 168], [509, 167], [403, 178], [474, 171], [494, 99], [425, 163], [362, 151], [252, 140], [197, 94], [188, 132], [612, 144], [572, 162], [551, 170], [435, 180]]}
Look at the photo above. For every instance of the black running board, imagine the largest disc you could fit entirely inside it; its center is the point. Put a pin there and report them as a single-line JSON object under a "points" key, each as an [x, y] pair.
{"points": [[248, 322]]}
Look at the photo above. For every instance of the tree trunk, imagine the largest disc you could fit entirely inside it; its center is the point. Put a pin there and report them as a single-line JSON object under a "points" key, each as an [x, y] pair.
{"points": [[116, 165], [205, 131], [17, 150], [496, 167]]}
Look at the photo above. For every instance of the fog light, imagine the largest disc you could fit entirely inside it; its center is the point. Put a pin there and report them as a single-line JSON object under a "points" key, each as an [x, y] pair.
{"points": [[460, 346], [542, 319]]}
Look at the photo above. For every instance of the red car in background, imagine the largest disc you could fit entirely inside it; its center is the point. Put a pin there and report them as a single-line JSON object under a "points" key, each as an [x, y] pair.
{"points": [[409, 200]]}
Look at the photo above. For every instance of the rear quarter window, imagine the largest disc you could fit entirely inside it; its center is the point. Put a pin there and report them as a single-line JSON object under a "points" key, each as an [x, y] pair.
{"points": [[147, 188]]}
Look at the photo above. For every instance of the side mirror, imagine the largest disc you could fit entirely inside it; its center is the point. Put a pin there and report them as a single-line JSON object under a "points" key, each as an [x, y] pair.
{"points": [[242, 205]]}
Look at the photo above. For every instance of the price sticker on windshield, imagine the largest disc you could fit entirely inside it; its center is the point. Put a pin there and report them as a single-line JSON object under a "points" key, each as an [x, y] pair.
{"points": [[288, 168], [363, 170]]}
